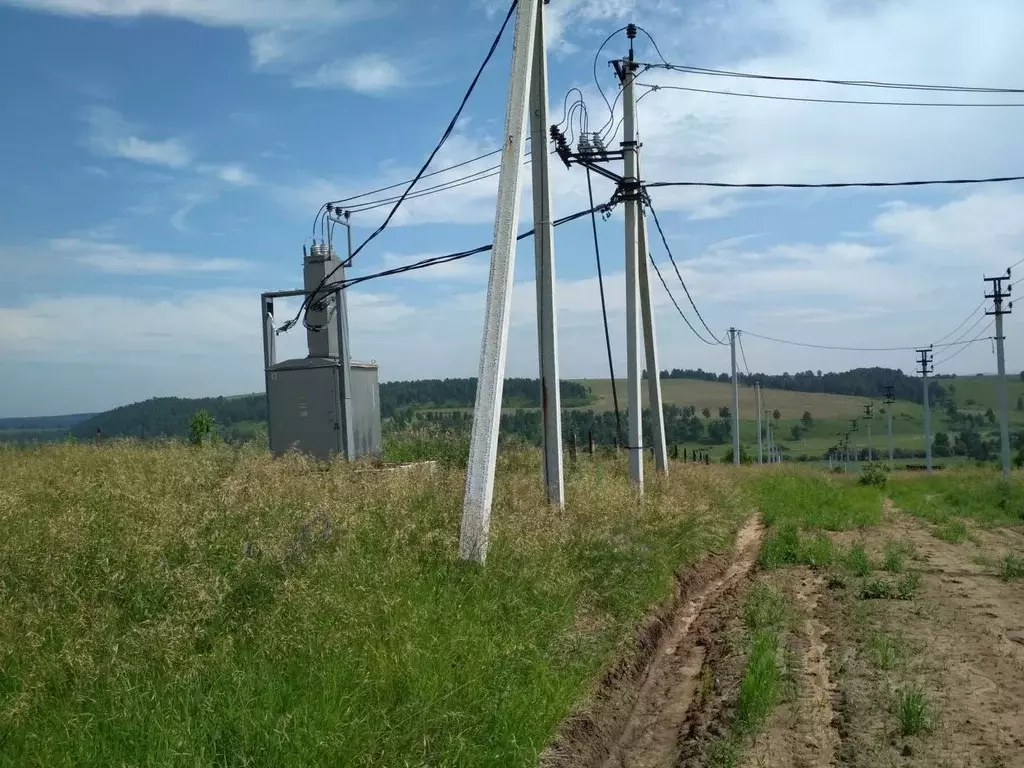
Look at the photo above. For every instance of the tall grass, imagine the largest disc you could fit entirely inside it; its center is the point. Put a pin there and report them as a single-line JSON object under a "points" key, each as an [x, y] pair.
{"points": [[980, 495], [166, 605], [812, 500]]}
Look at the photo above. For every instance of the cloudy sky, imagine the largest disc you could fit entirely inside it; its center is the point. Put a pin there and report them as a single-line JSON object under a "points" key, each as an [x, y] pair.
{"points": [[161, 163]]}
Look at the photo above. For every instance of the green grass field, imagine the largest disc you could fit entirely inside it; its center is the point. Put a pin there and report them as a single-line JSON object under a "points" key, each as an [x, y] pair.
{"points": [[168, 605]]}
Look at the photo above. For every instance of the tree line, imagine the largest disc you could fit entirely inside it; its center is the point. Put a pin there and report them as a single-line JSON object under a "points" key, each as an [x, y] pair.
{"points": [[859, 382]]}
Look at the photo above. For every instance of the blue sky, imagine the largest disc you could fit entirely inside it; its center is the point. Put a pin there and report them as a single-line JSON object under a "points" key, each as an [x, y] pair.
{"points": [[161, 162]]}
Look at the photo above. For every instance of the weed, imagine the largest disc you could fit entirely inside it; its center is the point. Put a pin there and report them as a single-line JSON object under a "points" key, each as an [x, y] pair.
{"points": [[893, 557], [1012, 567], [906, 588], [877, 588], [857, 560], [913, 711], [885, 649], [954, 531]]}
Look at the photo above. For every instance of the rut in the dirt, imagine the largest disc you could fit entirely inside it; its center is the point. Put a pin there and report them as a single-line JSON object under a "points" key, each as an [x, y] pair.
{"points": [[650, 736]]}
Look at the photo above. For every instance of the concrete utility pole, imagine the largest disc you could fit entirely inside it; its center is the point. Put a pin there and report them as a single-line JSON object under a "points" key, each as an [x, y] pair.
{"points": [[483, 447], [853, 429], [760, 451], [890, 398], [654, 401], [768, 431], [924, 362], [869, 414], [997, 296], [544, 257], [631, 195], [735, 401]]}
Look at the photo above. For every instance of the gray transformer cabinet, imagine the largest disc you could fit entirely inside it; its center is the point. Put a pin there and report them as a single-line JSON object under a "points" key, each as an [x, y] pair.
{"points": [[325, 404]]}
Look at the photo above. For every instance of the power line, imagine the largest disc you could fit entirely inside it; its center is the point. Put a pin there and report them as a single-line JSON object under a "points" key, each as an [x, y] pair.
{"points": [[966, 320], [739, 338], [966, 344], [810, 100], [604, 311], [835, 184], [423, 169], [674, 302], [682, 282], [969, 330], [847, 349], [399, 184], [434, 261], [829, 81], [444, 136]]}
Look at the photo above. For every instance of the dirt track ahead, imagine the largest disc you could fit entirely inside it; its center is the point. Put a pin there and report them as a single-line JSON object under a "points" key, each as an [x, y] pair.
{"points": [[908, 651]]}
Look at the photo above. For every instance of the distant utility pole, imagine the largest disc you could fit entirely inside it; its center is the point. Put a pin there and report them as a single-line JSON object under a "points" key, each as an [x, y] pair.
{"points": [[924, 363], [526, 105], [735, 401], [760, 450], [869, 414], [853, 428], [997, 296], [890, 398]]}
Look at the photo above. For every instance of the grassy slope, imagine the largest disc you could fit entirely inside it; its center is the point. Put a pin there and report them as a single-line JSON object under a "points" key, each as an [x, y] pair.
{"points": [[163, 605]]}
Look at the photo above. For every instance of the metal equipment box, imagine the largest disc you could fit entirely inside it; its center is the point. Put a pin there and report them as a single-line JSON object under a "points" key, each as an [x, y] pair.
{"points": [[306, 411]]}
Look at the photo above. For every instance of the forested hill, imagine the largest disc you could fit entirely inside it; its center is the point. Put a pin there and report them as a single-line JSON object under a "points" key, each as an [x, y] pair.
{"points": [[859, 382], [169, 416]]}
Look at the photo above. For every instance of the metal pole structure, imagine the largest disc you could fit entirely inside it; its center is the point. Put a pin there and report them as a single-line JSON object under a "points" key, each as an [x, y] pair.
{"points": [[544, 255], [345, 363], [483, 446], [631, 187], [997, 296], [890, 398], [760, 451], [654, 400], [925, 362], [735, 401]]}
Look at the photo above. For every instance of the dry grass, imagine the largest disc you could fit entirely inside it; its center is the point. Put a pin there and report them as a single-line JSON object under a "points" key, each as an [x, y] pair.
{"points": [[166, 605]]}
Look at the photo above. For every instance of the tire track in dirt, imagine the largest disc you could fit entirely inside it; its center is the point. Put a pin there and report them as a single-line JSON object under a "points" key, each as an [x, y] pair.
{"points": [[800, 733], [635, 718], [650, 738]]}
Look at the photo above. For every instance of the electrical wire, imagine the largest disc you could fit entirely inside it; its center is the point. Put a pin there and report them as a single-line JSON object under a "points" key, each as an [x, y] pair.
{"points": [[664, 240], [829, 81], [846, 349], [977, 322], [834, 185], [444, 136], [597, 80], [966, 320], [664, 285], [423, 169], [965, 344], [604, 310], [810, 100], [434, 261]]}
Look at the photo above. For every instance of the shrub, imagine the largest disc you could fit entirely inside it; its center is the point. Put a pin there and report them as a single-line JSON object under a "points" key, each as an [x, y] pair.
{"points": [[874, 474]]}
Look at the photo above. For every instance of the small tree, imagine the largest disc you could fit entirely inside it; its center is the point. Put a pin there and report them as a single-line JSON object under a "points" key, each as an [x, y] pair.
{"points": [[200, 426], [991, 416], [797, 431], [941, 444], [706, 413], [724, 412], [776, 414], [1020, 403], [807, 420]]}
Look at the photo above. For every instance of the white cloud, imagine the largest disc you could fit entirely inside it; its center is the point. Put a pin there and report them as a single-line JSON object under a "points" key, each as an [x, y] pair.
{"points": [[111, 136], [370, 74], [234, 174], [120, 259], [240, 13]]}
